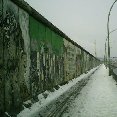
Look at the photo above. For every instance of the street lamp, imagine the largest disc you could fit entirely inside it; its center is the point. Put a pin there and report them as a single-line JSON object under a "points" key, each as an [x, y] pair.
{"points": [[108, 33], [105, 57], [111, 32]]}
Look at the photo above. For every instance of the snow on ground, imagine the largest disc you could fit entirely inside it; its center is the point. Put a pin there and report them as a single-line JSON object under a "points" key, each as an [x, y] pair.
{"points": [[97, 99], [36, 107]]}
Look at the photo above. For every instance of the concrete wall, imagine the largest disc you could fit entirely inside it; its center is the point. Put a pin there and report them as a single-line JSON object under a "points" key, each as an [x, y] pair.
{"points": [[35, 56], [16, 58]]}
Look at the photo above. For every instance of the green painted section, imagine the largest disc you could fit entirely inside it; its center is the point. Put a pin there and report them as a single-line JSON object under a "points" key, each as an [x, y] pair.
{"points": [[42, 32], [45, 36], [48, 38], [34, 29], [57, 43]]}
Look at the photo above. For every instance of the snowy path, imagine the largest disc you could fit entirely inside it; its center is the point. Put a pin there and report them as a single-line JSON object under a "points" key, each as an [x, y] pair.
{"points": [[97, 99], [52, 105]]}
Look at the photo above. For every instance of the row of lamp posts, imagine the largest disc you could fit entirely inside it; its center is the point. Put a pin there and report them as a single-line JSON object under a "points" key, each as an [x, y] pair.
{"points": [[108, 38]]}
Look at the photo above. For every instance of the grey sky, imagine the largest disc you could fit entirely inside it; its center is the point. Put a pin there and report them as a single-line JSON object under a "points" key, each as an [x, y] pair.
{"points": [[84, 21]]}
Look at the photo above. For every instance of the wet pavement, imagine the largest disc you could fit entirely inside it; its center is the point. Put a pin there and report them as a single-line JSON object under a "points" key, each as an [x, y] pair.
{"points": [[97, 99]]}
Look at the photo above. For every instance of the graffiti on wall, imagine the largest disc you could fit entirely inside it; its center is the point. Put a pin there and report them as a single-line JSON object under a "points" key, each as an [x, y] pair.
{"points": [[46, 57], [1, 62], [14, 57]]}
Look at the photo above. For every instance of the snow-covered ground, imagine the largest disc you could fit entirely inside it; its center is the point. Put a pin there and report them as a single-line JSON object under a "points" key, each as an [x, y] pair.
{"points": [[97, 99], [33, 111]]}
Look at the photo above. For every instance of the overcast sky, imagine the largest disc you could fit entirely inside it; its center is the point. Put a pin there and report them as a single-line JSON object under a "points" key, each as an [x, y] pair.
{"points": [[84, 21]]}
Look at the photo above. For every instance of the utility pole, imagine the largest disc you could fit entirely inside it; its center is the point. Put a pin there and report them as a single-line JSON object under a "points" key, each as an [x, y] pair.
{"points": [[105, 56], [95, 48]]}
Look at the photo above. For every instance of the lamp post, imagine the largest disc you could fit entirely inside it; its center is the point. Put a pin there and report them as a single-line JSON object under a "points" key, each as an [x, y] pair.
{"points": [[105, 56], [108, 34]]}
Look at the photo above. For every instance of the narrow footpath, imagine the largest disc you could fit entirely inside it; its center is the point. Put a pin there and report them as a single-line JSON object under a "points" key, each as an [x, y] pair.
{"points": [[97, 99]]}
